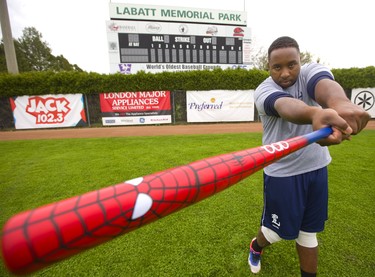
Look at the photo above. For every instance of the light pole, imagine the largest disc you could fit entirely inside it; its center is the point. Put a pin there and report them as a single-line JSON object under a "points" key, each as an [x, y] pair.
{"points": [[10, 52]]}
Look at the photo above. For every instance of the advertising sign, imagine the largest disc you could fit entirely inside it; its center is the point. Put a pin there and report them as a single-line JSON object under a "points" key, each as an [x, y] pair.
{"points": [[131, 108], [220, 106], [365, 97], [48, 111]]}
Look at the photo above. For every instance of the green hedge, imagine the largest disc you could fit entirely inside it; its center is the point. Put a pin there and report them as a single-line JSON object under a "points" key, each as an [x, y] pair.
{"points": [[355, 77], [39, 83]]}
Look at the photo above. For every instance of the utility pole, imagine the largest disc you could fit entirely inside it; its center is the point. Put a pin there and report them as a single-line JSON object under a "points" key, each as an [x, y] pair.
{"points": [[10, 52]]}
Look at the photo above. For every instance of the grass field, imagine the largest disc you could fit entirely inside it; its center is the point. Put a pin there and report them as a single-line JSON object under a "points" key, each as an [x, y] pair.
{"points": [[209, 238]]}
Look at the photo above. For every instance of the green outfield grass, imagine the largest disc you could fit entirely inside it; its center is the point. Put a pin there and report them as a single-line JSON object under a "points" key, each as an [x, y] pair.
{"points": [[209, 238]]}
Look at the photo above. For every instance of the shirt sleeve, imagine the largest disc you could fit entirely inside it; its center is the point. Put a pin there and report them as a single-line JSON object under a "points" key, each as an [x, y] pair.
{"points": [[265, 97], [269, 103], [315, 79]]}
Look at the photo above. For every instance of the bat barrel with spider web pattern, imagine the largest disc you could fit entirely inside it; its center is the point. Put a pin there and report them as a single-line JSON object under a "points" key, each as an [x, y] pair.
{"points": [[42, 236]]}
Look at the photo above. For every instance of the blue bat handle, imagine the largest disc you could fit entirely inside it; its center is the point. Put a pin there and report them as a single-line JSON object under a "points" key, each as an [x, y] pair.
{"points": [[319, 134]]}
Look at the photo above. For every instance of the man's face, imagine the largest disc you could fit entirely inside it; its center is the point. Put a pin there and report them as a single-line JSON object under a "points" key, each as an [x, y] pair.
{"points": [[285, 65]]}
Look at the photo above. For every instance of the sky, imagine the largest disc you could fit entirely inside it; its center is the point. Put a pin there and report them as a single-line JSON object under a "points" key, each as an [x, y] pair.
{"points": [[338, 32]]}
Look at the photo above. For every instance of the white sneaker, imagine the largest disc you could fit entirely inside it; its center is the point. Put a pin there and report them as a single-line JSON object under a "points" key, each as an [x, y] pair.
{"points": [[254, 259]]}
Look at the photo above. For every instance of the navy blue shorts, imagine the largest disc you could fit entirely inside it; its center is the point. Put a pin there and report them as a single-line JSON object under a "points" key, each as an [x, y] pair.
{"points": [[296, 203]]}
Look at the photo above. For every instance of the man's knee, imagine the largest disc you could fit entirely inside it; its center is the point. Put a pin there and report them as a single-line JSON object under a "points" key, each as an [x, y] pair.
{"points": [[270, 235], [306, 239]]}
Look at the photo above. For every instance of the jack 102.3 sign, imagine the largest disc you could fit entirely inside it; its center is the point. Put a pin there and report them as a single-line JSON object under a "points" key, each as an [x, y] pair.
{"points": [[155, 39]]}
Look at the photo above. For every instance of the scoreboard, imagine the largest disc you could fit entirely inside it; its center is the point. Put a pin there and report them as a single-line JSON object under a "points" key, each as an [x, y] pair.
{"points": [[155, 39], [154, 48]]}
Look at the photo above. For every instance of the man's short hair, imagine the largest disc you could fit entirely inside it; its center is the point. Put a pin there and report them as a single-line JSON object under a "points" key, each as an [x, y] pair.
{"points": [[283, 42]]}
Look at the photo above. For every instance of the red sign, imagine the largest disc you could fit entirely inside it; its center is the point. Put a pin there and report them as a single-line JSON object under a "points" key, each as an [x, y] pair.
{"points": [[141, 101]]}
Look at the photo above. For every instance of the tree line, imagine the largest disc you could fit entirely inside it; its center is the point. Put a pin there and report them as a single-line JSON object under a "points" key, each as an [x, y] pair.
{"points": [[34, 54]]}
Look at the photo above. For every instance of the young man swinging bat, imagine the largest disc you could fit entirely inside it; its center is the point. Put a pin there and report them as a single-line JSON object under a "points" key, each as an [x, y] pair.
{"points": [[293, 101]]}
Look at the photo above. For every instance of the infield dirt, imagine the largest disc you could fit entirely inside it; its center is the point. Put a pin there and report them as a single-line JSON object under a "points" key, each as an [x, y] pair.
{"points": [[123, 131]]}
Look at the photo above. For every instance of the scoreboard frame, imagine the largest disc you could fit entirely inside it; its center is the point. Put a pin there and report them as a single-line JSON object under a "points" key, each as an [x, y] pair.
{"points": [[157, 46]]}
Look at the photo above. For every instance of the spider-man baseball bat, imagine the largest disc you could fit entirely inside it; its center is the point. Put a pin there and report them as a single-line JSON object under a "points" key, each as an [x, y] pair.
{"points": [[40, 237]]}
